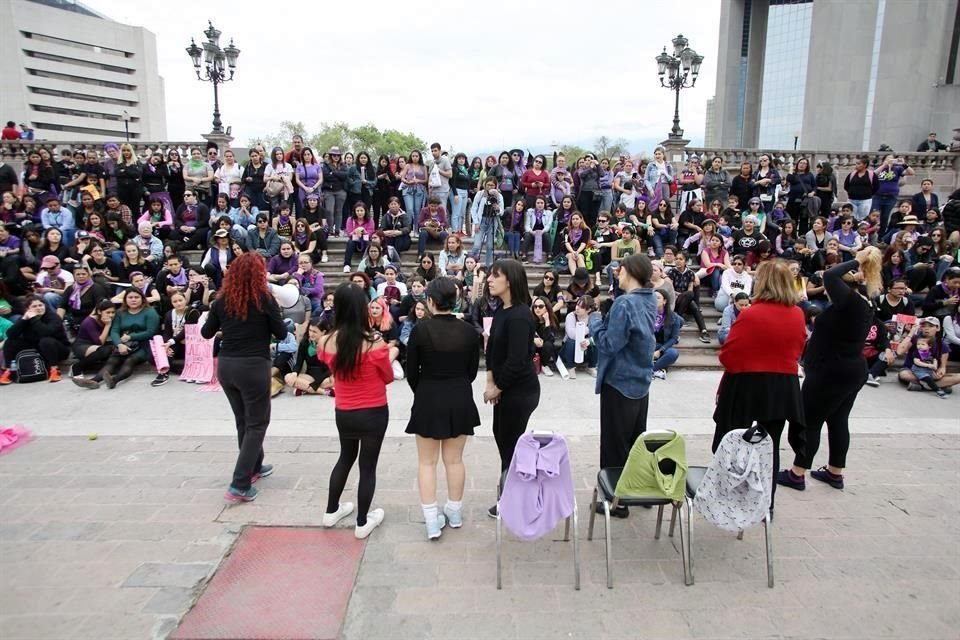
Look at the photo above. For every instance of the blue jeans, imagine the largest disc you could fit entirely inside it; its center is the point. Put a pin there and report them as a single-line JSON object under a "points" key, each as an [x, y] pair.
{"points": [[861, 208], [413, 200], [423, 237], [611, 271], [662, 237], [666, 358], [52, 300], [485, 238], [358, 246], [606, 200], [458, 210], [567, 350], [715, 278], [513, 239], [885, 202]]}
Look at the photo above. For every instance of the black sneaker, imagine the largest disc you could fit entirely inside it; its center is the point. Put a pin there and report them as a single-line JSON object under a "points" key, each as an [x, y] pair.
{"points": [[492, 511], [620, 512], [160, 380], [704, 337], [823, 475], [787, 478]]}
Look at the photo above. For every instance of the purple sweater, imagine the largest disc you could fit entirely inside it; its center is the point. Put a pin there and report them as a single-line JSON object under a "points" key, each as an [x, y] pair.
{"points": [[89, 331], [538, 490]]}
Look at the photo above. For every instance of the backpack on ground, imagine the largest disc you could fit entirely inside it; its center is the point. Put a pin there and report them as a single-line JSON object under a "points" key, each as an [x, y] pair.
{"points": [[30, 366]]}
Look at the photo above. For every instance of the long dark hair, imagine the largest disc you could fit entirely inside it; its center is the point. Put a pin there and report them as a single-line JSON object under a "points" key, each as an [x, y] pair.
{"points": [[639, 268], [552, 321], [351, 323], [516, 277], [667, 311]]}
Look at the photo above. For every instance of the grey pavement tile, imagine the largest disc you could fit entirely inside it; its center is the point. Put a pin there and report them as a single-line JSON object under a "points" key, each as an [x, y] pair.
{"points": [[13, 531], [117, 627], [730, 623], [58, 530], [170, 600], [22, 600], [168, 574], [40, 627], [568, 623]]}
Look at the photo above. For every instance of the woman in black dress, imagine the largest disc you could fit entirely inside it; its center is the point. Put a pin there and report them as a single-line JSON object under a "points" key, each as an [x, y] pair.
{"points": [[512, 385], [443, 356]]}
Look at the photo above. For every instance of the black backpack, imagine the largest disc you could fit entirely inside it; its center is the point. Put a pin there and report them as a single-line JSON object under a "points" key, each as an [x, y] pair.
{"points": [[30, 366]]}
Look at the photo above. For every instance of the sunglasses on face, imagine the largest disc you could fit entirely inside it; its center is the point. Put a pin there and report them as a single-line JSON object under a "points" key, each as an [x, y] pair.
{"points": [[548, 278], [539, 306]]}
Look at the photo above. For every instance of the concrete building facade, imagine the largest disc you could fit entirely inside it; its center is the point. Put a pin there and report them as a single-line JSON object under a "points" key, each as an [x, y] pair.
{"points": [[837, 74], [71, 73], [710, 126]]}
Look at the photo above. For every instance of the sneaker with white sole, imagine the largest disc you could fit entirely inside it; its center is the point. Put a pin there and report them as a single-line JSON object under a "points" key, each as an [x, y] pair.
{"points": [[160, 380], [660, 374], [592, 372], [573, 374], [397, 371], [239, 495], [547, 371], [265, 470], [374, 518], [331, 519], [346, 268], [454, 517], [434, 529], [324, 257], [873, 381]]}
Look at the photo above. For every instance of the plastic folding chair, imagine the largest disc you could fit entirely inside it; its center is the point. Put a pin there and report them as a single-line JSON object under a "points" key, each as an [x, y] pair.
{"points": [[566, 529]]}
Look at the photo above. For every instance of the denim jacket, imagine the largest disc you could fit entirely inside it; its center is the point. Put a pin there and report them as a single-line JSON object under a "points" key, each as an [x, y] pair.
{"points": [[626, 343]]}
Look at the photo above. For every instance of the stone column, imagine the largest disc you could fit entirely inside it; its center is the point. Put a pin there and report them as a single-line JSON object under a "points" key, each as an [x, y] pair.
{"points": [[222, 140], [674, 150]]}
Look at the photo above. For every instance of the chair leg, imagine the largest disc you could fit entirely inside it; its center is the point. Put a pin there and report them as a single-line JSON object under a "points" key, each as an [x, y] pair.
{"points": [[656, 534], [673, 520], [593, 514], [769, 546], [689, 537], [609, 544], [576, 547], [684, 555], [566, 526], [499, 539]]}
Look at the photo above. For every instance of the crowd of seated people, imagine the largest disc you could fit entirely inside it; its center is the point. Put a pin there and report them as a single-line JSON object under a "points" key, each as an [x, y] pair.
{"points": [[123, 249]]}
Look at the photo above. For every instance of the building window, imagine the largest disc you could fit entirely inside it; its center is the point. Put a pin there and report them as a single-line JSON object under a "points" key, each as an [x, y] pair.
{"points": [[784, 74], [80, 113], [40, 73], [77, 45], [49, 126], [82, 96], [77, 62]]}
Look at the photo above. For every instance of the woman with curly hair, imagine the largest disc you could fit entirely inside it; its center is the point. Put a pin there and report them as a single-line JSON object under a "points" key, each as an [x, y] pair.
{"points": [[247, 316]]}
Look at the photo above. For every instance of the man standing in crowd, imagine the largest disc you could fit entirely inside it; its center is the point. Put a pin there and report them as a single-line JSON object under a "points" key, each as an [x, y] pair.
{"points": [[440, 171]]}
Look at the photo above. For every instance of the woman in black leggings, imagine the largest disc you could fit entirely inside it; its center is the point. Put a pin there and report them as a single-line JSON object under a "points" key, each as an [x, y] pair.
{"points": [[512, 385], [835, 372], [247, 315], [361, 362]]}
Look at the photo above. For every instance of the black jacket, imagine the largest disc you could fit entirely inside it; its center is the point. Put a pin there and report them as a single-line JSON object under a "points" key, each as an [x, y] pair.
{"points": [[49, 325]]}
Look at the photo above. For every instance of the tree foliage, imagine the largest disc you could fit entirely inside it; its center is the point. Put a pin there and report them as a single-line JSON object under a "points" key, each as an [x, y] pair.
{"points": [[365, 137]]}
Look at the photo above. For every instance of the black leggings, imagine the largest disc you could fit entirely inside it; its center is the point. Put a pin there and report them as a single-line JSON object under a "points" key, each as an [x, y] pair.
{"points": [[93, 361], [361, 434], [687, 305], [510, 417], [246, 383], [827, 397]]}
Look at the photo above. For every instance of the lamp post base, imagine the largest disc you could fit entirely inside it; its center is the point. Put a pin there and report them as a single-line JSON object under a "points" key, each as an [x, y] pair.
{"points": [[673, 148], [221, 139]]}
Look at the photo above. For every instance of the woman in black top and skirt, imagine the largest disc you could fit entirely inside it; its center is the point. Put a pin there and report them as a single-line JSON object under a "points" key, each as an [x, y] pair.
{"points": [[247, 315], [512, 385], [835, 369], [443, 356]]}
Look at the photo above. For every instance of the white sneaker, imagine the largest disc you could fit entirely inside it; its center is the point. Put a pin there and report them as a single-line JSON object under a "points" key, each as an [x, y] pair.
{"points": [[397, 371], [873, 381], [660, 375], [331, 519], [547, 371], [573, 374], [346, 268], [324, 258], [592, 372], [374, 518]]}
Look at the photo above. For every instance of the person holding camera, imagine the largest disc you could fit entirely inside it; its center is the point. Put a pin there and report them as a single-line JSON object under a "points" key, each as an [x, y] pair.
{"points": [[888, 176], [485, 214]]}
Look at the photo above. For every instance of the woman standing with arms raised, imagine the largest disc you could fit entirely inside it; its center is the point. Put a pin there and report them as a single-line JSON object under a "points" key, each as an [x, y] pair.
{"points": [[835, 369], [361, 363], [443, 356], [247, 316], [512, 385], [625, 345], [760, 384]]}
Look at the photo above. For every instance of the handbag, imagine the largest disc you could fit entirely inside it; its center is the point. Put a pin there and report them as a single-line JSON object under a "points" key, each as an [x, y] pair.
{"points": [[273, 188], [434, 180]]}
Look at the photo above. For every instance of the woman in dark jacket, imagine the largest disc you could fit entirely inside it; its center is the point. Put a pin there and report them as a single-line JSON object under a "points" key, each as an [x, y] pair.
{"points": [[545, 342], [129, 174], [41, 329], [802, 185], [253, 180], [666, 330]]}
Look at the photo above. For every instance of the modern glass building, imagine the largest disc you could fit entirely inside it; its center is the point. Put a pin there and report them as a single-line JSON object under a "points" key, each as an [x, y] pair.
{"points": [[835, 74]]}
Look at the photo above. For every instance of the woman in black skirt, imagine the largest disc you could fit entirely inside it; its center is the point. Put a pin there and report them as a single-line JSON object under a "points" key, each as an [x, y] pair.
{"points": [[512, 385], [760, 384], [443, 356]]}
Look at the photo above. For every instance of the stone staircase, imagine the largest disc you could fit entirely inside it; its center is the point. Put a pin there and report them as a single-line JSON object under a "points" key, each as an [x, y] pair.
{"points": [[693, 353]]}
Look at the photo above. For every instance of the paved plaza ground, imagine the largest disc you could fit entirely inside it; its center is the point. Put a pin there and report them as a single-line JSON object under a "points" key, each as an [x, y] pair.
{"points": [[117, 537]]}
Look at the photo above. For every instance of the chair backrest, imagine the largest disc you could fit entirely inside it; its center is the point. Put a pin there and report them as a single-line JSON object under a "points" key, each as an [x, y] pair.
{"points": [[538, 488], [736, 489], [656, 467]]}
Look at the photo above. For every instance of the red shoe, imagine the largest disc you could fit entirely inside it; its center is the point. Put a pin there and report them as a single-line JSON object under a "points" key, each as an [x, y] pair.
{"points": [[54, 375], [5, 377]]}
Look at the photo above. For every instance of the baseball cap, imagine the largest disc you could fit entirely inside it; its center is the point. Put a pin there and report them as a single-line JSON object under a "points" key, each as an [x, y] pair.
{"points": [[50, 262], [931, 321], [221, 233]]}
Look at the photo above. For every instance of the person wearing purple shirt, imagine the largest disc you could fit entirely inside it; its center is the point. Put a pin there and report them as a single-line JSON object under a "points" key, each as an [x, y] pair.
{"points": [[359, 228], [282, 266], [9, 244], [888, 175], [310, 281], [538, 488], [432, 223]]}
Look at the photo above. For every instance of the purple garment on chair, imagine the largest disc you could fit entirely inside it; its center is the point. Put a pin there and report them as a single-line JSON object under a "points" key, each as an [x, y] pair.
{"points": [[538, 490]]}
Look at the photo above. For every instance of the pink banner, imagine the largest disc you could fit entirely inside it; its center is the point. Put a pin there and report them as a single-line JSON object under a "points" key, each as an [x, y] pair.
{"points": [[159, 350], [198, 363]]}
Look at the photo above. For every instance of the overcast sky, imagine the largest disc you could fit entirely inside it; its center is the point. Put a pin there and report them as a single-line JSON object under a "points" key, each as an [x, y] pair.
{"points": [[474, 76]]}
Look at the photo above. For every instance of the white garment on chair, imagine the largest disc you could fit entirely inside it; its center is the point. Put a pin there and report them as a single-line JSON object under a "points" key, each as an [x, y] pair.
{"points": [[736, 489]]}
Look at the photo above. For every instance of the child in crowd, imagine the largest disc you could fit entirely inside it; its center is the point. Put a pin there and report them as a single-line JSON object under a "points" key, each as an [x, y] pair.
{"points": [[924, 364]]}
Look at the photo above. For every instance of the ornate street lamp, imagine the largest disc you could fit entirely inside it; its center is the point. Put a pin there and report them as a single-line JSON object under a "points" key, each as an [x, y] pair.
{"points": [[676, 72], [219, 66]]}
